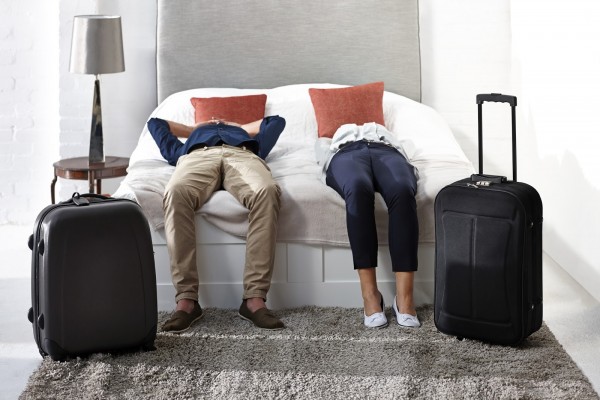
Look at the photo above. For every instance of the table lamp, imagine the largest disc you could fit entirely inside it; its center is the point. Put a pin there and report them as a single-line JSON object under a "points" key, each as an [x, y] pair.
{"points": [[96, 48]]}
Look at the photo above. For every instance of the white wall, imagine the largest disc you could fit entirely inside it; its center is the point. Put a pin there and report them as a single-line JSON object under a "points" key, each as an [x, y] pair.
{"points": [[556, 66], [465, 47], [526, 47]]}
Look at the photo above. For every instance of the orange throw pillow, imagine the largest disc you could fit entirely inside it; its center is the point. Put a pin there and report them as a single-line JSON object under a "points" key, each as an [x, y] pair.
{"points": [[352, 105], [240, 109]]}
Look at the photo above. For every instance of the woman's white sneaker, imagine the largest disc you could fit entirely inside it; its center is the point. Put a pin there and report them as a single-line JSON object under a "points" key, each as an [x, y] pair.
{"points": [[408, 320]]}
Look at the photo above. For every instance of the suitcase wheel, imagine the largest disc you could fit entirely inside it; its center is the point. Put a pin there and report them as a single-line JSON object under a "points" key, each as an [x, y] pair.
{"points": [[148, 347]]}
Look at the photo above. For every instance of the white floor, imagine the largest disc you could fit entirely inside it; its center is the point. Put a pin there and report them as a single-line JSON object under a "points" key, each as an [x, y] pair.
{"points": [[572, 314]]}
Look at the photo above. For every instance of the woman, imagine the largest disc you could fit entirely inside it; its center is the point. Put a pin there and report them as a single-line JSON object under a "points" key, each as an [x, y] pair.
{"points": [[359, 161]]}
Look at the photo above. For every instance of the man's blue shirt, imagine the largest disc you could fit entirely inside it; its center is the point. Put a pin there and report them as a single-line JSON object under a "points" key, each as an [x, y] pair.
{"points": [[172, 148]]}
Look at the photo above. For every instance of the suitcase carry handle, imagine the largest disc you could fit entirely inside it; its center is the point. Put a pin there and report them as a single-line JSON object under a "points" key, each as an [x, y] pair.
{"points": [[487, 180], [82, 199], [498, 98]]}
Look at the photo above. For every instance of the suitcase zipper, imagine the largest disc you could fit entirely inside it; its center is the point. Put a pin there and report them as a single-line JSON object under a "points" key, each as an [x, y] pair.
{"points": [[35, 248]]}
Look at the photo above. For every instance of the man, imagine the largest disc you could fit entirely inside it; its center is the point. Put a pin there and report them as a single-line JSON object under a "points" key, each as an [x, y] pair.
{"points": [[220, 154]]}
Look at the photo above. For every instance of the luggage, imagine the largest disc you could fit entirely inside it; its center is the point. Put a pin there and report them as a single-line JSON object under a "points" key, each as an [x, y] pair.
{"points": [[488, 256], [93, 278]]}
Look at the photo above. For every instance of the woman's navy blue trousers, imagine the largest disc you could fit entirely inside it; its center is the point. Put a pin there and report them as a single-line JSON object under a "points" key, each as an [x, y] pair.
{"points": [[356, 172]]}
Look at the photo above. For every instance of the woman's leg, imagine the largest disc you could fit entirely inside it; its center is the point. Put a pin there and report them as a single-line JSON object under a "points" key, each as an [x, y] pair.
{"points": [[350, 175], [370, 293], [404, 292], [396, 181]]}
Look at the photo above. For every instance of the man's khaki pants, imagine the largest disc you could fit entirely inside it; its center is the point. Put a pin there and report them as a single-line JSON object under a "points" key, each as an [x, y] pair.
{"points": [[247, 177]]}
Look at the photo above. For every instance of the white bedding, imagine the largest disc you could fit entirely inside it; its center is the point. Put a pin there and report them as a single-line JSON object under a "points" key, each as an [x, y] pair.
{"points": [[311, 212]]}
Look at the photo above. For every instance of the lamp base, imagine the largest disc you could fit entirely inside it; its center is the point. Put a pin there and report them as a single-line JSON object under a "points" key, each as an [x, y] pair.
{"points": [[96, 137]]}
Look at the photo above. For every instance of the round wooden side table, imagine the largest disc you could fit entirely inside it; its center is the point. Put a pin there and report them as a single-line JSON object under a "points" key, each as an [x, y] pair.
{"points": [[80, 168]]}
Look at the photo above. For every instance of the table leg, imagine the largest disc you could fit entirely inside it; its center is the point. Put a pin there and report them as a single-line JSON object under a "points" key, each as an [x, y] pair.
{"points": [[52, 186], [91, 183]]}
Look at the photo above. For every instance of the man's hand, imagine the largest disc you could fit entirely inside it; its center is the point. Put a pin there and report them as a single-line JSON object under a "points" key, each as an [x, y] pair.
{"points": [[214, 121], [184, 131]]}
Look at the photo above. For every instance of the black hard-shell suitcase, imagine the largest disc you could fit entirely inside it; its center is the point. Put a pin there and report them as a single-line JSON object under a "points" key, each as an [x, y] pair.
{"points": [[488, 257], [93, 278]]}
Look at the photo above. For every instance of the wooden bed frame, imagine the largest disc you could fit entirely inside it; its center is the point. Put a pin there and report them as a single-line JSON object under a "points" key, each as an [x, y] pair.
{"points": [[270, 43]]}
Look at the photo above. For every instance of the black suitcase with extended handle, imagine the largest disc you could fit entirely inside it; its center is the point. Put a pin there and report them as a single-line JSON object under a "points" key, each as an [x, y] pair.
{"points": [[488, 256], [93, 278]]}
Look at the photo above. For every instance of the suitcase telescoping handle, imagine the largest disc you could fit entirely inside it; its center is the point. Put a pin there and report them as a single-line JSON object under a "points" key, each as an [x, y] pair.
{"points": [[498, 98]]}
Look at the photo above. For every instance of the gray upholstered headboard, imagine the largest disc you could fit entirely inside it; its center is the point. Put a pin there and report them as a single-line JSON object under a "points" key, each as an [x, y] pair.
{"points": [[269, 43]]}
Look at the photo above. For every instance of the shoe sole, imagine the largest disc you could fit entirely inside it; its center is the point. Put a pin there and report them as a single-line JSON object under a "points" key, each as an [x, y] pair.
{"points": [[379, 326], [260, 327], [189, 326], [408, 326]]}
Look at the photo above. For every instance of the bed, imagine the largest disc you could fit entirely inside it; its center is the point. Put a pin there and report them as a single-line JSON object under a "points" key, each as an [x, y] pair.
{"points": [[283, 48]]}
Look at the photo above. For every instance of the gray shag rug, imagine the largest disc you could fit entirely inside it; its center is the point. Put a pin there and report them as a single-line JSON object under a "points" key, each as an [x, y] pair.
{"points": [[324, 353]]}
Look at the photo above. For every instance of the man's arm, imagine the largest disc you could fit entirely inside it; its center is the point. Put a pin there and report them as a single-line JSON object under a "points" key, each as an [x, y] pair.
{"points": [[181, 130], [268, 133], [167, 142], [252, 128], [184, 131]]}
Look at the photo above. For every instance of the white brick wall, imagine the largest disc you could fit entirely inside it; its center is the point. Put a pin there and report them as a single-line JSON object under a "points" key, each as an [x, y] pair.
{"points": [[28, 107], [45, 111]]}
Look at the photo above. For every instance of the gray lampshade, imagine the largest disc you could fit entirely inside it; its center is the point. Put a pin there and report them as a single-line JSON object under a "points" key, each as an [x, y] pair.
{"points": [[97, 45]]}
